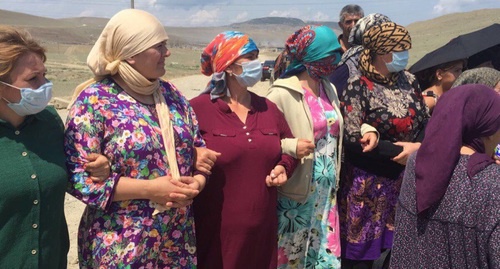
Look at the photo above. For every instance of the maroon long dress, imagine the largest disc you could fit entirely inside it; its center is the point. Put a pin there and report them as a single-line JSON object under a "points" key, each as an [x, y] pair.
{"points": [[235, 215]]}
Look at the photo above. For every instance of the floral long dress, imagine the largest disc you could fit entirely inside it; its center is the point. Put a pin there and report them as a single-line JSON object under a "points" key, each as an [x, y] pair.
{"points": [[125, 234], [367, 199], [309, 234]]}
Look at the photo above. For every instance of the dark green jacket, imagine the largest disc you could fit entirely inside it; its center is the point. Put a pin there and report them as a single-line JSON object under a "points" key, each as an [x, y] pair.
{"points": [[33, 180]]}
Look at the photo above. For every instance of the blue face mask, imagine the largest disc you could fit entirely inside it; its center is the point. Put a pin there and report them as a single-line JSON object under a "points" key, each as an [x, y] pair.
{"points": [[399, 61], [252, 72], [32, 100]]}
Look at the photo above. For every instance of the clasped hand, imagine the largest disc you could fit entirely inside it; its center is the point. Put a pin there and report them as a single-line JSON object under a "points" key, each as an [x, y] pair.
{"points": [[176, 193], [277, 176], [205, 159]]}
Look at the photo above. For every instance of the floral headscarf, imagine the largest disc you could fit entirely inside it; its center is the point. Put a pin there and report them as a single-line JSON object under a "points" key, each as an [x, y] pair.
{"points": [[312, 48], [356, 36], [221, 53], [382, 39]]}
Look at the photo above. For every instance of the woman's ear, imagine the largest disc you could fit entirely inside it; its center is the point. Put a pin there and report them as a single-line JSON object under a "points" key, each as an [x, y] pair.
{"points": [[130, 61], [439, 74], [229, 71]]}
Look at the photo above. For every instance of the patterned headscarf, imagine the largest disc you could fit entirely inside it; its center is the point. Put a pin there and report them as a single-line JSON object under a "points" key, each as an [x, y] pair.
{"points": [[382, 39], [462, 116], [481, 75], [312, 48], [356, 35], [221, 53]]}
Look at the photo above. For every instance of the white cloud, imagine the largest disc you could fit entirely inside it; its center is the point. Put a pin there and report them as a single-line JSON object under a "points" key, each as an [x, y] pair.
{"points": [[450, 6], [285, 13], [87, 13], [320, 16], [241, 16], [204, 17]]}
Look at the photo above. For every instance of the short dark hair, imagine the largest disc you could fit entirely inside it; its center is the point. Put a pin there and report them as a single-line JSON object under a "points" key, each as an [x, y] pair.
{"points": [[351, 9]]}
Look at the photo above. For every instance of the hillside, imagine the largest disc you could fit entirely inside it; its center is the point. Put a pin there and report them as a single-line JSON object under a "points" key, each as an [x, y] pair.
{"points": [[266, 32], [68, 41], [432, 34]]}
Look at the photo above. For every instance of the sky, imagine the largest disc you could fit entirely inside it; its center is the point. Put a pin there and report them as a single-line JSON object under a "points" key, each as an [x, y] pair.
{"points": [[194, 13]]}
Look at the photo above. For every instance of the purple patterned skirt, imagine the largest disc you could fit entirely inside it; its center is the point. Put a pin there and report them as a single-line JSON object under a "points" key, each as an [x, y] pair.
{"points": [[367, 208]]}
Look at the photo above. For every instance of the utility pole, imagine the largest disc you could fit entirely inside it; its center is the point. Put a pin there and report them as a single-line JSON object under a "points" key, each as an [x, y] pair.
{"points": [[131, 3]]}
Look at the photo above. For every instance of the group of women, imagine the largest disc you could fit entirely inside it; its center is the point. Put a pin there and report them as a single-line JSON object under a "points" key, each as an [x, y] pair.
{"points": [[259, 176]]}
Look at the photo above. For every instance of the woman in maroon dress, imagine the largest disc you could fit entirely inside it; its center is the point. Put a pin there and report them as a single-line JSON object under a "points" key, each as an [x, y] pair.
{"points": [[236, 221]]}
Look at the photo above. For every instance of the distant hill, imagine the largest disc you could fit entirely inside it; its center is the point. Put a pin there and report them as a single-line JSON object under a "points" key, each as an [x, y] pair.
{"points": [[267, 31], [272, 20], [332, 24], [86, 21]]}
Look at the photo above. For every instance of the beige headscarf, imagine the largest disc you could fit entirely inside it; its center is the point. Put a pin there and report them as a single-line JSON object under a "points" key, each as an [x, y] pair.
{"points": [[128, 33]]}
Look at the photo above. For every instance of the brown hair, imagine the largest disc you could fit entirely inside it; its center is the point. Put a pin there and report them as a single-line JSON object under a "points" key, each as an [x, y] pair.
{"points": [[427, 77], [14, 43]]}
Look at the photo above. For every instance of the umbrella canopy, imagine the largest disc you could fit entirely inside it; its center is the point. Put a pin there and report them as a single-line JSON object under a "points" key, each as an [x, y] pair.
{"points": [[460, 47]]}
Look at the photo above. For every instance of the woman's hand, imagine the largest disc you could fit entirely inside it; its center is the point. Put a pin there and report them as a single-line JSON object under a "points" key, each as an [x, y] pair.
{"points": [[408, 149], [277, 177], [304, 148], [205, 159], [369, 141], [196, 182], [172, 193], [98, 167]]}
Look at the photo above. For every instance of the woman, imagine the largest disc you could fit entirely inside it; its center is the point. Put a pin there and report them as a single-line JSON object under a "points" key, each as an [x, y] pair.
{"points": [[480, 75], [486, 76], [147, 129], [307, 210], [389, 99], [448, 212], [348, 65], [33, 174], [438, 79], [236, 223]]}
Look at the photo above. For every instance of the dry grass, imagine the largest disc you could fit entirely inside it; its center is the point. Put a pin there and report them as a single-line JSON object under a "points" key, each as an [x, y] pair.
{"points": [[432, 34]]}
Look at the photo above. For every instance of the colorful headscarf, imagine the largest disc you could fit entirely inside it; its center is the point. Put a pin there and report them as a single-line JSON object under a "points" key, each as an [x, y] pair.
{"points": [[462, 116], [221, 53], [312, 48], [356, 35], [382, 39], [481, 75]]}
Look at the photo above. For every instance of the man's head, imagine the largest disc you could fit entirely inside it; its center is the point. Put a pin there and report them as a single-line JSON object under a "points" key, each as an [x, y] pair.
{"points": [[348, 17]]}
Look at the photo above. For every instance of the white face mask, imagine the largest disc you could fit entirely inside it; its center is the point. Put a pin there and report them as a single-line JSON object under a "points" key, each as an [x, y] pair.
{"points": [[32, 100], [252, 72]]}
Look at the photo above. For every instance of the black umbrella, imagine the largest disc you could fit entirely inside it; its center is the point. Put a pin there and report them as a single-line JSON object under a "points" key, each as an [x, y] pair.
{"points": [[460, 47]]}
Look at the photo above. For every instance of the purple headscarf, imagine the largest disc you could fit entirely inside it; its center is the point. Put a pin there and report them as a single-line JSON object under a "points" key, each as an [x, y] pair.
{"points": [[463, 116]]}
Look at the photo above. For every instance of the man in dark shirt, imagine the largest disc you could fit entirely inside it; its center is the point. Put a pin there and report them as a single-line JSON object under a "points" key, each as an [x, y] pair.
{"points": [[348, 17]]}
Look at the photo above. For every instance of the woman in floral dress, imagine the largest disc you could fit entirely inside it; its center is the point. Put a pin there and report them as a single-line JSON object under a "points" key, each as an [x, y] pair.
{"points": [[148, 130], [308, 228], [388, 98]]}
